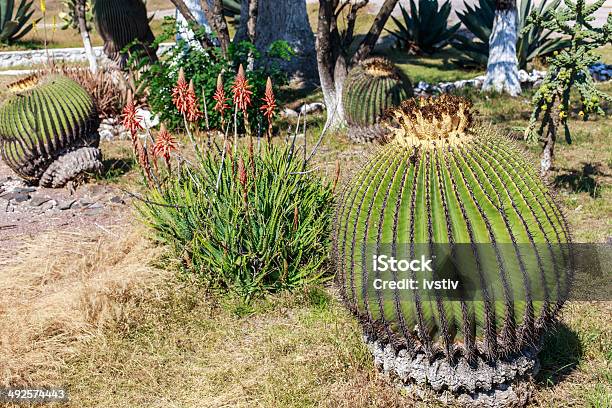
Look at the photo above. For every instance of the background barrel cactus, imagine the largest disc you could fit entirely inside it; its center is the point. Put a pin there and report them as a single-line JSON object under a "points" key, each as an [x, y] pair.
{"points": [[49, 130], [371, 88], [121, 23], [455, 192]]}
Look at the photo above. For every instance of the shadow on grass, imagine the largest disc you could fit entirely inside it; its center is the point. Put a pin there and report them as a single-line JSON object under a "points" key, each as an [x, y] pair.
{"points": [[115, 168], [561, 353], [580, 181]]}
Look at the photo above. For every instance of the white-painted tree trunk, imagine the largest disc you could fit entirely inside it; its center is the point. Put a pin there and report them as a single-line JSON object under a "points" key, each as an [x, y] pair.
{"points": [[183, 30], [502, 67], [85, 36]]}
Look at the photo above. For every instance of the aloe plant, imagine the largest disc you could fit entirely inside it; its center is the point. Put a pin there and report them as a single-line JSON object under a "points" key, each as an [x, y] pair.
{"points": [[478, 19], [15, 26], [371, 88], [49, 130], [454, 191], [425, 29]]}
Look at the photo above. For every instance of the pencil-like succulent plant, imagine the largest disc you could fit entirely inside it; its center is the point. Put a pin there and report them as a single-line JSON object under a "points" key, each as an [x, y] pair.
{"points": [[371, 88], [122, 23], [462, 202], [49, 130]]}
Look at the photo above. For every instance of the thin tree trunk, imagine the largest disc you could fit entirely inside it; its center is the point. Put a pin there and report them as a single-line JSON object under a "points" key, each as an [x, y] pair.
{"points": [[84, 30], [333, 59], [548, 152], [369, 42], [287, 21], [218, 22], [502, 67], [184, 12]]}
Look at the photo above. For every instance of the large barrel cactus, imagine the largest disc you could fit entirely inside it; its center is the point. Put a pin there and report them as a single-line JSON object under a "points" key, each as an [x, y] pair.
{"points": [[49, 130], [466, 206], [121, 23], [372, 87]]}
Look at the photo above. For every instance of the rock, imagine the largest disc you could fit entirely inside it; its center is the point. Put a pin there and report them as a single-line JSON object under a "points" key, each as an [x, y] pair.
{"points": [[312, 108], [523, 76], [38, 201], [117, 200], [23, 190], [16, 197], [147, 119], [49, 205], [289, 113], [66, 205], [82, 203]]}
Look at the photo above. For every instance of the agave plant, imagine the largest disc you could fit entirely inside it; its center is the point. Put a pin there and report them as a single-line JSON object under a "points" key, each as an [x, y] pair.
{"points": [[463, 202], [15, 27], [478, 19], [425, 29], [371, 88], [49, 130]]}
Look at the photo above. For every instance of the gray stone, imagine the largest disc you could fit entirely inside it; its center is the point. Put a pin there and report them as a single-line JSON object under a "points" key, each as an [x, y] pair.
{"points": [[117, 200], [16, 197], [312, 108], [66, 205], [38, 201]]}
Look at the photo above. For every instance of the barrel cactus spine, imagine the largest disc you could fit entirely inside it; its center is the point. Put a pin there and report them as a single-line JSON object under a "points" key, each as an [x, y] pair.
{"points": [[372, 87], [49, 130], [451, 188]]}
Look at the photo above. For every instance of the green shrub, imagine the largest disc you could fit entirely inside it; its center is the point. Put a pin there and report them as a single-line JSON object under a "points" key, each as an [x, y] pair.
{"points": [[203, 67], [425, 29], [247, 223]]}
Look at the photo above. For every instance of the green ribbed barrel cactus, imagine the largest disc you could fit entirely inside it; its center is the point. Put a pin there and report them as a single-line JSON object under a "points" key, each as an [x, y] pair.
{"points": [[49, 130], [372, 87], [121, 23], [452, 253]]}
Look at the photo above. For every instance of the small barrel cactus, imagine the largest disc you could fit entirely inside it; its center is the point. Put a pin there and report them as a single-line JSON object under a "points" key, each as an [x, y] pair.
{"points": [[121, 23], [371, 88], [464, 204], [49, 130]]}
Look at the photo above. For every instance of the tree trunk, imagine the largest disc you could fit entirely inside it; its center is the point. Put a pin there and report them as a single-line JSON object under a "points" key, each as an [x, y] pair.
{"points": [[548, 151], [218, 22], [287, 21], [184, 32], [502, 67], [84, 30], [333, 59]]}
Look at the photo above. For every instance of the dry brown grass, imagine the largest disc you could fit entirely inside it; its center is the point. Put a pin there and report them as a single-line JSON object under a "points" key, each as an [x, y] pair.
{"points": [[61, 288]]}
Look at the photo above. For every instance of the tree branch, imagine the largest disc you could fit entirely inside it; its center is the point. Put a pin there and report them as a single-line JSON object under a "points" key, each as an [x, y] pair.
{"points": [[367, 45], [217, 22], [184, 10]]}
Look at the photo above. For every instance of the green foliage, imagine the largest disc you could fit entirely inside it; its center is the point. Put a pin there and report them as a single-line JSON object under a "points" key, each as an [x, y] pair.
{"points": [[69, 16], [203, 67], [15, 27], [371, 88], [425, 29], [248, 228], [533, 43], [457, 193], [43, 118], [569, 68]]}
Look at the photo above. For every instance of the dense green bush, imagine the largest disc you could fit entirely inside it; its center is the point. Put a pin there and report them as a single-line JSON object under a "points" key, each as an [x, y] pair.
{"points": [[249, 223], [203, 67]]}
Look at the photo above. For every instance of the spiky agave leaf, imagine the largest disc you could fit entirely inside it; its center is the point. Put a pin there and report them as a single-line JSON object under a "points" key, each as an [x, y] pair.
{"points": [[121, 23], [452, 189], [371, 88], [48, 130]]}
